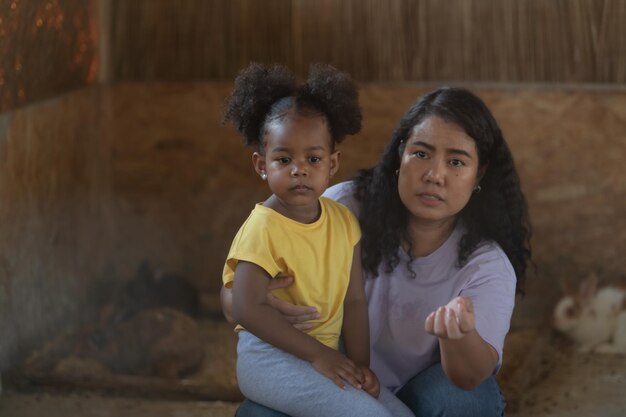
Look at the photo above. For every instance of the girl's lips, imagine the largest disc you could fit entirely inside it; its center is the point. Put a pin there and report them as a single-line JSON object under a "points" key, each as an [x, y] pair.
{"points": [[300, 188]]}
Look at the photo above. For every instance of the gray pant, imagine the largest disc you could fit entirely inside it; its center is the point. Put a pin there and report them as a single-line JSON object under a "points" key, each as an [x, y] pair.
{"points": [[285, 383]]}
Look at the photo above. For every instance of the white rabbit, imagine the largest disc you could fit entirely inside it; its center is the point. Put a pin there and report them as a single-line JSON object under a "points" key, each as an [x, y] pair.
{"points": [[595, 320]]}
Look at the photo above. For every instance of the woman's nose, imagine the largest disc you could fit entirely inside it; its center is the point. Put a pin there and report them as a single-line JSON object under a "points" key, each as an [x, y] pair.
{"points": [[434, 174]]}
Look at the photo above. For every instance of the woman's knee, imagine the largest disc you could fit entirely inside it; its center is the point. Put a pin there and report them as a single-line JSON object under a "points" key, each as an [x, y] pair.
{"points": [[430, 393]]}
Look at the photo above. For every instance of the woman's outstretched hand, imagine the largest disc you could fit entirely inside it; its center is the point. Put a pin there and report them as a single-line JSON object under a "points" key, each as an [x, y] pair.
{"points": [[452, 321], [298, 316]]}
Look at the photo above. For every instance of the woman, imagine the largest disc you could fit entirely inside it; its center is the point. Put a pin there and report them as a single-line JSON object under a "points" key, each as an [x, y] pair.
{"points": [[444, 250]]}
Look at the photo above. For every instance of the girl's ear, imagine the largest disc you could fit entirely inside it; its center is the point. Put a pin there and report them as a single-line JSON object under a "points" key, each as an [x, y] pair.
{"points": [[334, 162], [258, 161]]}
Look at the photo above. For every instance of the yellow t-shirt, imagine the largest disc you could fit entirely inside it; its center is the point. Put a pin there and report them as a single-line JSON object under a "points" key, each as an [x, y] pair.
{"points": [[318, 255]]}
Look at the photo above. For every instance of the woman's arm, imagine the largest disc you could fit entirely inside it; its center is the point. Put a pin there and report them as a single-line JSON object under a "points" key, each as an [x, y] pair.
{"points": [[298, 316], [466, 358], [251, 309]]}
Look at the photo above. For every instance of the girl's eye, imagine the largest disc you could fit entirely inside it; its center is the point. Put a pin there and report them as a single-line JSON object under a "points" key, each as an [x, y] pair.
{"points": [[457, 163], [315, 159], [283, 160]]}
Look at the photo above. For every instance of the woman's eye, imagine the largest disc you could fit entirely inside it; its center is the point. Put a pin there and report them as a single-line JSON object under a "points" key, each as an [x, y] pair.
{"points": [[457, 163], [420, 154], [315, 159]]}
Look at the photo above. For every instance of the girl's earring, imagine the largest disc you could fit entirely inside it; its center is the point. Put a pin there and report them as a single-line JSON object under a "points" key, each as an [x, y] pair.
{"points": [[477, 189], [263, 175], [397, 172]]}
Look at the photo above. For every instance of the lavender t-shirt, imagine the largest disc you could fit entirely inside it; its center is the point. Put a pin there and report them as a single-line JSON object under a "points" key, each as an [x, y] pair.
{"points": [[398, 303]]}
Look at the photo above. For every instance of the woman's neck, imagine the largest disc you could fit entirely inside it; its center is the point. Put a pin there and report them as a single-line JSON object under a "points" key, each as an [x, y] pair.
{"points": [[427, 237]]}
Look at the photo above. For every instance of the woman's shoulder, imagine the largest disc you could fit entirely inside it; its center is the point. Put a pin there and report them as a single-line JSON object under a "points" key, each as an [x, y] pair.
{"points": [[488, 261], [344, 193]]}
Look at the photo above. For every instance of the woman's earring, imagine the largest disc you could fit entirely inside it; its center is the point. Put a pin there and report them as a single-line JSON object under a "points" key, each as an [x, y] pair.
{"points": [[263, 175], [397, 172], [477, 189]]}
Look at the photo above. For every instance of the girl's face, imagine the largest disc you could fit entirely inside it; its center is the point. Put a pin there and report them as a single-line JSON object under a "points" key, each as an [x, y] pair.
{"points": [[439, 170], [298, 160]]}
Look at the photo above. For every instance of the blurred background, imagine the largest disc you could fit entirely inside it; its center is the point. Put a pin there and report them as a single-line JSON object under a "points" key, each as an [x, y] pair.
{"points": [[114, 161]]}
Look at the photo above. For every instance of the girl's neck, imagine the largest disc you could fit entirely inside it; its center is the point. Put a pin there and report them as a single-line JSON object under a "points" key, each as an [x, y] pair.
{"points": [[301, 214], [427, 237]]}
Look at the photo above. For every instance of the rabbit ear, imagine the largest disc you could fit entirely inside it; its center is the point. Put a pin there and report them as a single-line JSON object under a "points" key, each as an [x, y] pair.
{"points": [[568, 286], [588, 288], [564, 268]]}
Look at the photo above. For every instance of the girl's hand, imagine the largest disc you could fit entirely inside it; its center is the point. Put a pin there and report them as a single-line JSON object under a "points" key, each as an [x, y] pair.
{"points": [[336, 366], [452, 321], [296, 315], [370, 382]]}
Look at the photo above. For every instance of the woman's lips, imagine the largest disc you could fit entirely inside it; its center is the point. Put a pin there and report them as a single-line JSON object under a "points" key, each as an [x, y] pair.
{"points": [[430, 199]]}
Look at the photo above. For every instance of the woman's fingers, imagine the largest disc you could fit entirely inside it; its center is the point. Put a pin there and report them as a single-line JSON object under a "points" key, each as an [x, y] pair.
{"points": [[467, 321], [295, 314], [292, 310], [444, 323], [464, 309], [303, 326], [452, 325], [279, 282], [439, 327], [429, 323]]}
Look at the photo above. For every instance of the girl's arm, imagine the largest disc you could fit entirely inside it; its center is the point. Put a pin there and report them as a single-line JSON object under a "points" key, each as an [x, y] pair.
{"points": [[226, 299], [466, 358], [251, 309], [355, 328]]}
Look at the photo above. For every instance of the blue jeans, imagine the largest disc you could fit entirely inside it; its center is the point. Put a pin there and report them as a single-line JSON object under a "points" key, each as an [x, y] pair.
{"points": [[428, 394]]}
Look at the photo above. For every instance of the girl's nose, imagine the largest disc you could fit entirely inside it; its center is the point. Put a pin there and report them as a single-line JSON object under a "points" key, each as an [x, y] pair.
{"points": [[298, 169]]}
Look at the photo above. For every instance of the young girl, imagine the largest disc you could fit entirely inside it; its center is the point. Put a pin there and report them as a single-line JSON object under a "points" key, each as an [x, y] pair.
{"points": [[297, 233]]}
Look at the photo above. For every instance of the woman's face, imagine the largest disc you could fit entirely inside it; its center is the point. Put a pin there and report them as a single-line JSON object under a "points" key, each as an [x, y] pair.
{"points": [[438, 171]]}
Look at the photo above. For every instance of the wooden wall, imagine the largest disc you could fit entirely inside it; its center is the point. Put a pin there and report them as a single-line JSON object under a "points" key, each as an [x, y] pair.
{"points": [[57, 224], [47, 47], [560, 41]]}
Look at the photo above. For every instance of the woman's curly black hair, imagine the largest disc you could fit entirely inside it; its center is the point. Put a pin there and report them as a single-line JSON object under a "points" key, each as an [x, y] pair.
{"points": [[498, 212], [266, 93]]}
